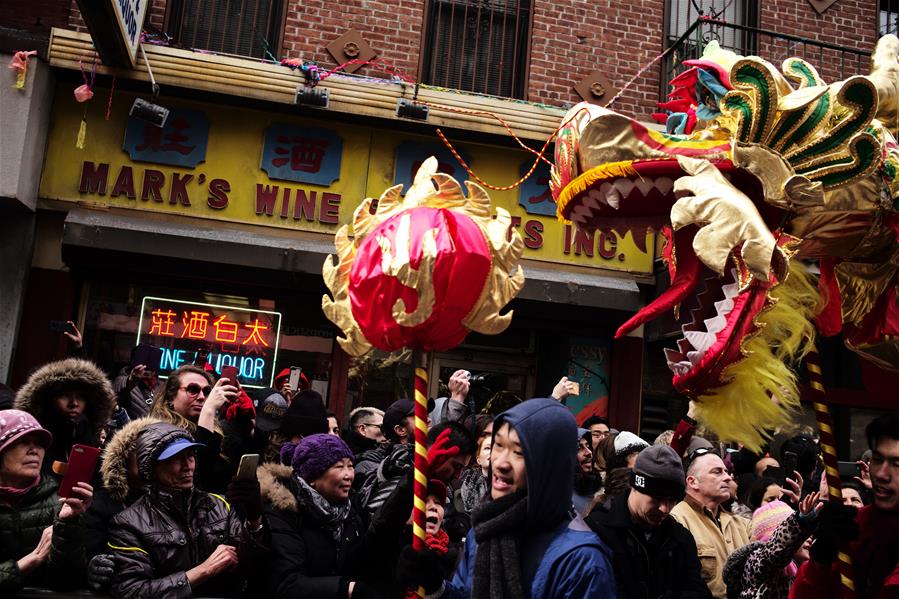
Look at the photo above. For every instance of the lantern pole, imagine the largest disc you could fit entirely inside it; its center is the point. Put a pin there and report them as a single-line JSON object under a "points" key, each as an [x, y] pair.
{"points": [[829, 452], [420, 363]]}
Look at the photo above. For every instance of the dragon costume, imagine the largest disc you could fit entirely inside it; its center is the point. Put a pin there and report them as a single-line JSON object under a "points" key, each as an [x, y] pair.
{"points": [[763, 177]]}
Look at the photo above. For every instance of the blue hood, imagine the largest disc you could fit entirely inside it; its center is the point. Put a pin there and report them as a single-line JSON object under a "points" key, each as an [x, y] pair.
{"points": [[546, 430]]}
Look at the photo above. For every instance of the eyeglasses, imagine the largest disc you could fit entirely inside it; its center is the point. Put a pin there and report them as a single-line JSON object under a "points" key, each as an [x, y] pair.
{"points": [[366, 424], [699, 452], [194, 389]]}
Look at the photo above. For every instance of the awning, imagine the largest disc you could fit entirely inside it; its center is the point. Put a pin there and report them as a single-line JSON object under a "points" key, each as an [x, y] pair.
{"points": [[294, 251]]}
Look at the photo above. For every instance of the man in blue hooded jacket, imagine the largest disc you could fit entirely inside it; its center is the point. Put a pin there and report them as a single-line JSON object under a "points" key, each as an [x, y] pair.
{"points": [[526, 541]]}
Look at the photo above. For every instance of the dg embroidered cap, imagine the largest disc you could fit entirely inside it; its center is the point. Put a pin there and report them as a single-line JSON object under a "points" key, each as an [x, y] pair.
{"points": [[659, 472]]}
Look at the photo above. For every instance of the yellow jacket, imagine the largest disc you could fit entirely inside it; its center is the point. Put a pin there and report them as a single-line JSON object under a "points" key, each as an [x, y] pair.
{"points": [[716, 539]]}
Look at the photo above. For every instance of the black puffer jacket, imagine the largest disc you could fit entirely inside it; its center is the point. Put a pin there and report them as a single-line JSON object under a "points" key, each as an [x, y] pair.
{"points": [[165, 533], [21, 526], [52, 380], [116, 493], [663, 566], [136, 398], [306, 560]]}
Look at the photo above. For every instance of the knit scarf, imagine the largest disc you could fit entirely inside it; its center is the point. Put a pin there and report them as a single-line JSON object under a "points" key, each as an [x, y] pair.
{"points": [[438, 543], [11, 495], [331, 516], [473, 488], [497, 528]]}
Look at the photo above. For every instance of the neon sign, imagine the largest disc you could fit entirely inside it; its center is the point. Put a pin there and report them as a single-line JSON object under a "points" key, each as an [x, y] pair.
{"points": [[232, 336]]}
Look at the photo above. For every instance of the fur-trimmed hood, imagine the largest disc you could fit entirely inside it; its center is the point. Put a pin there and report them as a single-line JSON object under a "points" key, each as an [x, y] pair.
{"points": [[73, 374], [276, 484], [114, 469]]}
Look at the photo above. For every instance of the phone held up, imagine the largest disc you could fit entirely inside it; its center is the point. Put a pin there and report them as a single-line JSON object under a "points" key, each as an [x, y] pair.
{"points": [[247, 468], [230, 373], [61, 326], [80, 469], [294, 379]]}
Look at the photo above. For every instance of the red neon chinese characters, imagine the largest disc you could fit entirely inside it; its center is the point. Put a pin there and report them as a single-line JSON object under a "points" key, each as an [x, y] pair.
{"points": [[161, 323], [225, 330], [195, 326], [256, 328]]}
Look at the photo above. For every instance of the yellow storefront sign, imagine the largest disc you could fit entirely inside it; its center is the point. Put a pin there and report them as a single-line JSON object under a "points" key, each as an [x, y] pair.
{"points": [[249, 166]]}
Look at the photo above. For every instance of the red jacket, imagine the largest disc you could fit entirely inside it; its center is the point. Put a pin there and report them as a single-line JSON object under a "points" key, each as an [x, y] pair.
{"points": [[875, 561]]}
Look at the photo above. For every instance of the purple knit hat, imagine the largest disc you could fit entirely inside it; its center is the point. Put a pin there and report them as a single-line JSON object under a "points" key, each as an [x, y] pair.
{"points": [[312, 456]]}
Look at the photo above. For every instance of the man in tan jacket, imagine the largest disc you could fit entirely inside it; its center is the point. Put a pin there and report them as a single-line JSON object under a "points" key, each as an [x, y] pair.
{"points": [[718, 533]]}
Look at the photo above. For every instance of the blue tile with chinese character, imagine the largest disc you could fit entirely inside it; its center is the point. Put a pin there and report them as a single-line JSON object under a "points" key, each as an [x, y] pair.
{"points": [[410, 156], [302, 154], [534, 194], [182, 142]]}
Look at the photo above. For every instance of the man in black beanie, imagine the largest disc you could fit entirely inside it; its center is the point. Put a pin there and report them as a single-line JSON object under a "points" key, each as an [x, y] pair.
{"points": [[654, 556], [305, 416]]}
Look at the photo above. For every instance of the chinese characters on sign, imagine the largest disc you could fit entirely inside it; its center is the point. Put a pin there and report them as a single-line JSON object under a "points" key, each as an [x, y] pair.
{"points": [[182, 142], [534, 194], [232, 336], [302, 154]]}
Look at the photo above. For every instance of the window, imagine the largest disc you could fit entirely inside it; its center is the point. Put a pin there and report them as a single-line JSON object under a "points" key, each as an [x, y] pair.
{"points": [[681, 22], [477, 45], [682, 14], [239, 27], [889, 17]]}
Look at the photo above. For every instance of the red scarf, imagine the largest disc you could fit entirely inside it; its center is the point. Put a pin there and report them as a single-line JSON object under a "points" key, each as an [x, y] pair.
{"points": [[439, 544]]}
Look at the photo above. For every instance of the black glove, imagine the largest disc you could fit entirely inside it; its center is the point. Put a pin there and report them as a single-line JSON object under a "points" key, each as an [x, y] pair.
{"points": [[246, 494], [99, 571], [420, 569], [836, 526]]}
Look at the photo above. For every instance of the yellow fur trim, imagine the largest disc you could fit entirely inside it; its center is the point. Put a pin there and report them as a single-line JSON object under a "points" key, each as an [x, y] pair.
{"points": [[762, 394], [578, 185]]}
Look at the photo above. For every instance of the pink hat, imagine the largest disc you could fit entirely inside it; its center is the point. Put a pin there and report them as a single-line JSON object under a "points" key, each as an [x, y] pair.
{"points": [[767, 518], [15, 424]]}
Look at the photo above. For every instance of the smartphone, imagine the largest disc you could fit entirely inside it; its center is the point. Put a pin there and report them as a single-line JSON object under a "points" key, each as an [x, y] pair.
{"points": [[294, 380], [791, 460], [847, 469], [61, 326], [230, 373], [247, 468], [146, 354], [80, 469]]}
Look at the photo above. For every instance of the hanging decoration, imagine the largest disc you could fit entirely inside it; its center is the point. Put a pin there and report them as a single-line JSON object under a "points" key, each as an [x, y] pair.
{"points": [[421, 272], [19, 62], [83, 93]]}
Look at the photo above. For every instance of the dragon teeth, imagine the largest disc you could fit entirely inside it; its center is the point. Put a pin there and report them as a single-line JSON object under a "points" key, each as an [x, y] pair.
{"points": [[716, 324], [694, 357], [664, 185], [623, 186], [645, 186], [699, 340], [724, 306]]}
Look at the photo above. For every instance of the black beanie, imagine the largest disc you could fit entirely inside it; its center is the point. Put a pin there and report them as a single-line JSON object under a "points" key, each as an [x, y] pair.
{"points": [[305, 416], [659, 472]]}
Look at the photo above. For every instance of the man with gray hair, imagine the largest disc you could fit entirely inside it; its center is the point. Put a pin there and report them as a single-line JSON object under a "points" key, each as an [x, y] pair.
{"points": [[363, 431], [717, 532]]}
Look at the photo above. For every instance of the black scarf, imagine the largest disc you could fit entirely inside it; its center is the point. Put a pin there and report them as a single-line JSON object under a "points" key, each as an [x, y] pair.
{"points": [[497, 528]]}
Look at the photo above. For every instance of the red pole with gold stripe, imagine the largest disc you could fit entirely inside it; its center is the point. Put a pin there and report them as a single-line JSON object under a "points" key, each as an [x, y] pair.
{"points": [[829, 450], [420, 488]]}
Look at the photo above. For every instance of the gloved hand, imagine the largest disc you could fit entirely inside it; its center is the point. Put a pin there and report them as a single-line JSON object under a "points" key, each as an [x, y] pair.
{"points": [[100, 569], [420, 569], [241, 408], [247, 495], [438, 453], [836, 526]]}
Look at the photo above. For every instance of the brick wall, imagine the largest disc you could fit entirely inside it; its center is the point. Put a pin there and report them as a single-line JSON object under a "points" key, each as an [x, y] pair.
{"points": [[570, 39], [38, 15]]}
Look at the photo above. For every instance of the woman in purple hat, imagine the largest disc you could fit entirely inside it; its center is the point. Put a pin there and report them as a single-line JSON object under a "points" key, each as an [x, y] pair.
{"points": [[317, 531], [40, 540]]}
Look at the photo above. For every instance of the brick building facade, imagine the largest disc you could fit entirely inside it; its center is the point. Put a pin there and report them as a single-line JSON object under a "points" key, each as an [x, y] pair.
{"points": [[568, 40]]}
